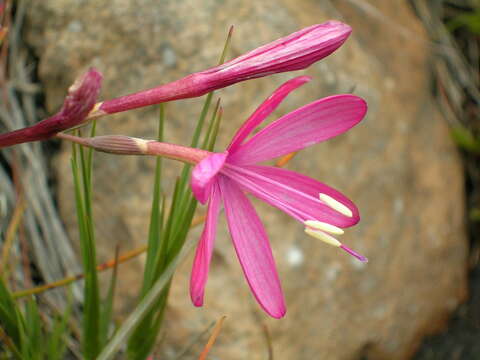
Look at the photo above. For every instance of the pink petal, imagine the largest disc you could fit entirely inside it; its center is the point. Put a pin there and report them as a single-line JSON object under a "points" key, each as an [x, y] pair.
{"points": [[294, 193], [308, 125], [204, 250], [265, 109], [204, 173], [253, 249]]}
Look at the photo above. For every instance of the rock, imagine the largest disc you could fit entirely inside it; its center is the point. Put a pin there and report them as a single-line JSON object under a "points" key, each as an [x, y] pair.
{"points": [[399, 166]]}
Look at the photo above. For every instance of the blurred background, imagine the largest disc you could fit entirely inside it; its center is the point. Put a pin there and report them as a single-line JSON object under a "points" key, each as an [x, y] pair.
{"points": [[411, 167]]}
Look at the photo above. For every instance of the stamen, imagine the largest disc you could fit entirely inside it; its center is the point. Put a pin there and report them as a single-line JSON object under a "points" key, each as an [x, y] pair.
{"points": [[335, 205], [334, 242], [320, 235], [354, 254], [319, 225]]}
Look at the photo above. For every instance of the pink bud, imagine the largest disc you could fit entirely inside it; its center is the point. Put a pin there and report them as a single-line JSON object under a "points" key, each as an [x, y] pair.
{"points": [[293, 52], [80, 100]]}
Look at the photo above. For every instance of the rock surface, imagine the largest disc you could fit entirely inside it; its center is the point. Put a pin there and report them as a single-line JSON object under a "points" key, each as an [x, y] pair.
{"points": [[399, 166]]}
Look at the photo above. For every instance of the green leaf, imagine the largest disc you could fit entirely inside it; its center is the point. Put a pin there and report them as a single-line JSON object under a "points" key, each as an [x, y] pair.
{"points": [[156, 324], [32, 344], [179, 233], [226, 46], [475, 215], [174, 210], [11, 319], [214, 132], [107, 306], [179, 206], [138, 345], [144, 344], [465, 139], [56, 344], [211, 126], [145, 306], [469, 20], [89, 160], [156, 218], [91, 313]]}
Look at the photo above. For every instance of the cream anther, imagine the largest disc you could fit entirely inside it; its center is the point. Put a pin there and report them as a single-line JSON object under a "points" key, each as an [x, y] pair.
{"points": [[335, 205], [320, 235], [323, 226]]}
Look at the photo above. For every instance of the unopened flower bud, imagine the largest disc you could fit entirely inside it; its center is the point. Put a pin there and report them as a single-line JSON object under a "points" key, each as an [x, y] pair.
{"points": [[119, 144], [78, 103]]}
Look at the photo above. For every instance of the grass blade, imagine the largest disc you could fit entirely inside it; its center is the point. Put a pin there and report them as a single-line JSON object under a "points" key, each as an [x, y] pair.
{"points": [[91, 323], [212, 139], [32, 346], [11, 320], [211, 125], [138, 341], [56, 345], [107, 308], [156, 217], [145, 306]]}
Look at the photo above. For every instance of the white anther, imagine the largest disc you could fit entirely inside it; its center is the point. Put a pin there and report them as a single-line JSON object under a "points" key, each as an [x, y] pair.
{"points": [[319, 225], [335, 205], [320, 235]]}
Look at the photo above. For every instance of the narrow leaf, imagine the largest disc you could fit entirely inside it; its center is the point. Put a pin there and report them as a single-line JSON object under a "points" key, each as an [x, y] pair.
{"points": [[145, 306]]}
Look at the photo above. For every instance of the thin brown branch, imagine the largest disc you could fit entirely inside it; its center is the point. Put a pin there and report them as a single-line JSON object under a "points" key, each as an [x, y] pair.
{"points": [[102, 267], [11, 231], [213, 338]]}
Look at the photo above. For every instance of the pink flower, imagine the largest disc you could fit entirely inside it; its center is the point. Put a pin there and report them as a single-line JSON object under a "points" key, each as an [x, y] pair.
{"points": [[226, 177], [294, 52]]}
